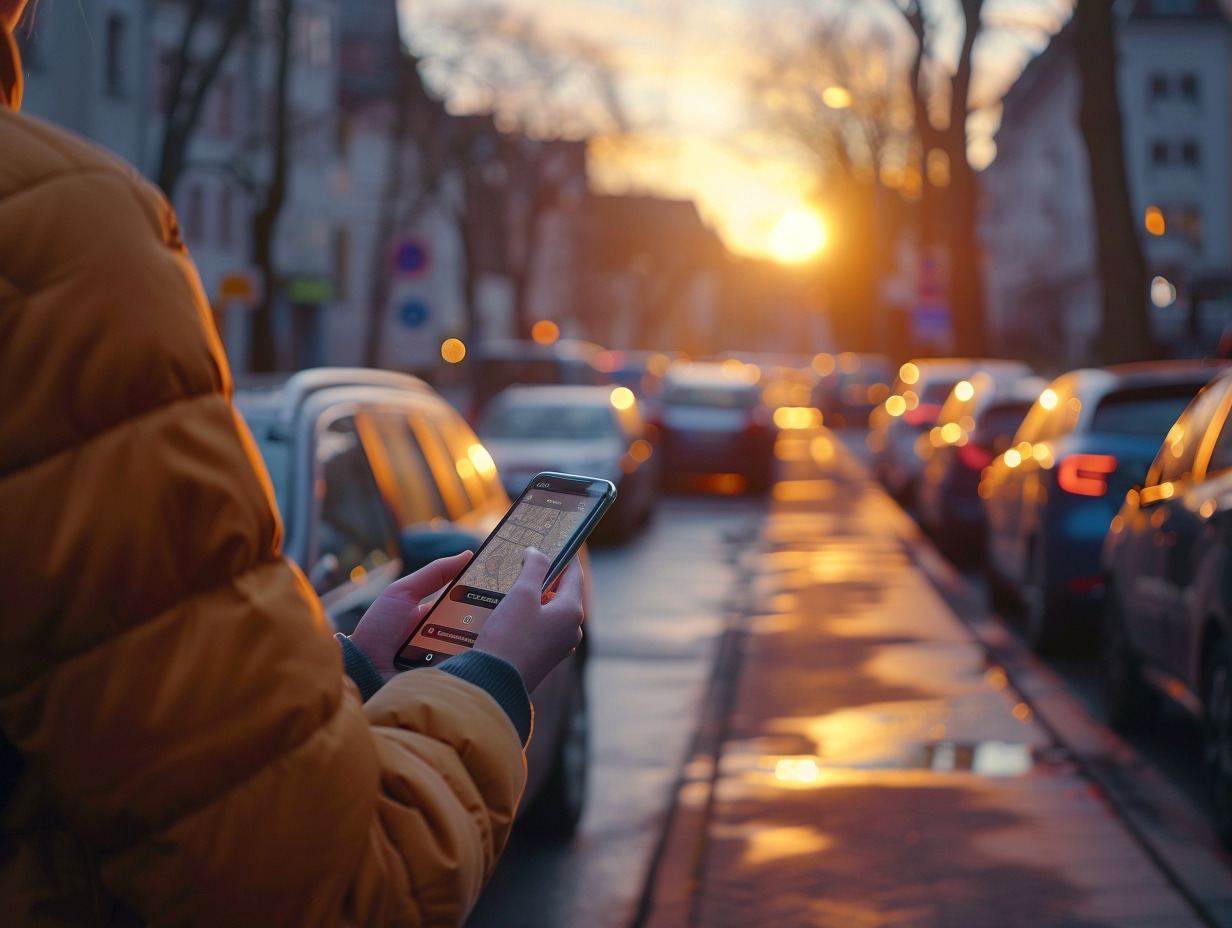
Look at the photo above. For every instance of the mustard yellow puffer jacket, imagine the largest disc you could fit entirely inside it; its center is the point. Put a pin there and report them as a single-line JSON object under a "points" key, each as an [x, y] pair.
{"points": [[190, 751]]}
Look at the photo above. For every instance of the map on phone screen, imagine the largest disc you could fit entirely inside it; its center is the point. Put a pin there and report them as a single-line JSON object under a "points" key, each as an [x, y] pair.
{"points": [[542, 520]]}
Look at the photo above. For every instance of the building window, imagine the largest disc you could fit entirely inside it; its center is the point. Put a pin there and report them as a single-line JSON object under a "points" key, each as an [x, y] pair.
{"points": [[1157, 87], [1159, 153], [1189, 153], [314, 38], [1189, 87], [343, 128], [194, 214], [342, 261], [114, 78], [29, 47], [224, 105], [1187, 222], [226, 219], [164, 74]]}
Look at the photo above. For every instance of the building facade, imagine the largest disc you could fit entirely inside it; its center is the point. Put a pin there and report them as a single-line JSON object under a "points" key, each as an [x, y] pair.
{"points": [[1041, 276]]}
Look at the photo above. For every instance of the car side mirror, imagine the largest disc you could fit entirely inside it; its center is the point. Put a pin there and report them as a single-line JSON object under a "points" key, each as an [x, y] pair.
{"points": [[420, 545]]}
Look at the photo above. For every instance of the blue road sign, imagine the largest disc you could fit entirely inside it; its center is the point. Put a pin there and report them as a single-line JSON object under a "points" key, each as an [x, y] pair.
{"points": [[413, 313], [411, 257]]}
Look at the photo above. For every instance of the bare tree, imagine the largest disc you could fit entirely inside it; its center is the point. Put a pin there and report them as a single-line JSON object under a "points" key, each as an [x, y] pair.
{"points": [[837, 89], [549, 89], [419, 158], [211, 29], [951, 213], [1126, 331], [273, 193]]}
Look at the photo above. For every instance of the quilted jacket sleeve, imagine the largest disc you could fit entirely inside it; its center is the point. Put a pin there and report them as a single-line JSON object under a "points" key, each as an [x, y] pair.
{"points": [[167, 676]]}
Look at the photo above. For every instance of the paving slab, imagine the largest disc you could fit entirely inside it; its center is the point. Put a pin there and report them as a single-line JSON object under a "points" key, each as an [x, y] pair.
{"points": [[869, 756]]}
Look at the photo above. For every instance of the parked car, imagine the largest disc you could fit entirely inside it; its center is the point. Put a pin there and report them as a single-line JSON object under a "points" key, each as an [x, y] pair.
{"points": [[1050, 497], [977, 422], [713, 421], [593, 431], [1167, 567], [376, 475], [850, 386], [899, 427], [499, 363]]}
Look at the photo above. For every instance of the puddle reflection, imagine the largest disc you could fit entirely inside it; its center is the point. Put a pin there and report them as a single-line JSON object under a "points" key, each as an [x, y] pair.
{"points": [[985, 759]]}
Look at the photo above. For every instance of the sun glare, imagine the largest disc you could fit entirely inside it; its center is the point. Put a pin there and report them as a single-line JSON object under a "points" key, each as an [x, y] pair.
{"points": [[797, 236]]}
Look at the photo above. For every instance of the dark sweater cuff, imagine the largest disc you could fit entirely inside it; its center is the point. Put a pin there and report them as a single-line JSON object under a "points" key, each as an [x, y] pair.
{"points": [[355, 662], [501, 679]]}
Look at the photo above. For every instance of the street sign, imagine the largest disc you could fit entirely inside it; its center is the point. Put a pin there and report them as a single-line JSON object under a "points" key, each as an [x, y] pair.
{"points": [[240, 288], [411, 257], [413, 313]]}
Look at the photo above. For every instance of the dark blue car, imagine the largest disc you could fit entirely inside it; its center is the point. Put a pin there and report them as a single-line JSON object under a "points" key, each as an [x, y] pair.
{"points": [[1051, 496]]}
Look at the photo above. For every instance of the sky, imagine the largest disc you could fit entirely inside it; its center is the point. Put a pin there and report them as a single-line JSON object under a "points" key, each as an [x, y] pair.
{"points": [[683, 71]]}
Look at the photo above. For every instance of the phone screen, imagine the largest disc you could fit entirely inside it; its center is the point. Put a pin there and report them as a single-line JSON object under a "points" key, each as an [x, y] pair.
{"points": [[543, 517]]}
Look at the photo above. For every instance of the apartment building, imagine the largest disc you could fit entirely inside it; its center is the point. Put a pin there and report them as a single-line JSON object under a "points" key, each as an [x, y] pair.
{"points": [[1038, 228]]}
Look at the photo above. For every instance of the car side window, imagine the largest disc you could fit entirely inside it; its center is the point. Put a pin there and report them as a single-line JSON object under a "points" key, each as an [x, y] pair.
{"points": [[471, 459], [1221, 452], [444, 465], [414, 490], [354, 534], [1175, 460], [1054, 414]]}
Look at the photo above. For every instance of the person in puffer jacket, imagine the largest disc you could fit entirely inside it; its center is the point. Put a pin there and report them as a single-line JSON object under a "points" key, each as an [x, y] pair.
{"points": [[179, 743]]}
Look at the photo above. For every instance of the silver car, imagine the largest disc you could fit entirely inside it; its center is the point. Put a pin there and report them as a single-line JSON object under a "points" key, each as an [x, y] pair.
{"points": [[596, 431], [375, 475]]}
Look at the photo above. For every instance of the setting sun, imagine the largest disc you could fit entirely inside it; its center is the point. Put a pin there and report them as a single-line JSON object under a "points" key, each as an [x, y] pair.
{"points": [[797, 236]]}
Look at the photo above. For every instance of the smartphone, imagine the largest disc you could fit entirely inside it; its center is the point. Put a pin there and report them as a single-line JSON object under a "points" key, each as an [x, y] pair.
{"points": [[554, 513]]}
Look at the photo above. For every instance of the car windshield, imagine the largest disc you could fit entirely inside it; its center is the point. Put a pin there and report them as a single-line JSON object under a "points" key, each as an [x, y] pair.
{"points": [[712, 395], [563, 421], [1140, 413]]}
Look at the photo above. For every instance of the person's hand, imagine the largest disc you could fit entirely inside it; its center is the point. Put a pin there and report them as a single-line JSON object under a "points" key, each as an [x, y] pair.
{"points": [[532, 630], [398, 609]]}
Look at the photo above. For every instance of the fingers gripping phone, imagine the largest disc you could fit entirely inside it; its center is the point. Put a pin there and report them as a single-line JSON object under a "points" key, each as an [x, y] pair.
{"points": [[554, 513]]}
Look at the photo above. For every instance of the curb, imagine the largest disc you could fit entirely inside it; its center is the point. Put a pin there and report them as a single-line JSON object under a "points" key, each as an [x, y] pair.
{"points": [[676, 867]]}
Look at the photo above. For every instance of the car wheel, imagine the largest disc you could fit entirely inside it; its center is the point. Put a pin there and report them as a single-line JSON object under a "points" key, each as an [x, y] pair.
{"points": [[1038, 623], [1218, 736], [555, 813], [1129, 703]]}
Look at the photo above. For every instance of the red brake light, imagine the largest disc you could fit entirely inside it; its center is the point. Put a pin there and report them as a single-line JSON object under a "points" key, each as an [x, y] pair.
{"points": [[1085, 474], [973, 457], [924, 414]]}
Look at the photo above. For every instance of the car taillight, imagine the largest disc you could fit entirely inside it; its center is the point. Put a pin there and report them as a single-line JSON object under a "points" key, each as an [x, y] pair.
{"points": [[1085, 474], [923, 415], [973, 457]]}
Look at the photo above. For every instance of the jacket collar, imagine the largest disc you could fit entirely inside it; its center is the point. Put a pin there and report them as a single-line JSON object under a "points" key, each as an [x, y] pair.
{"points": [[10, 71]]}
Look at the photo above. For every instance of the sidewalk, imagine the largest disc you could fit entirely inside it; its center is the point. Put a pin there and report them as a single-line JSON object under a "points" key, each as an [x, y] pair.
{"points": [[868, 758]]}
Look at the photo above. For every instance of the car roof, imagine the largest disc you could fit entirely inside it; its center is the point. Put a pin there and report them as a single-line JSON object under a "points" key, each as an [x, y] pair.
{"points": [[280, 397], [1144, 374], [558, 394], [949, 367], [516, 348], [705, 372]]}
